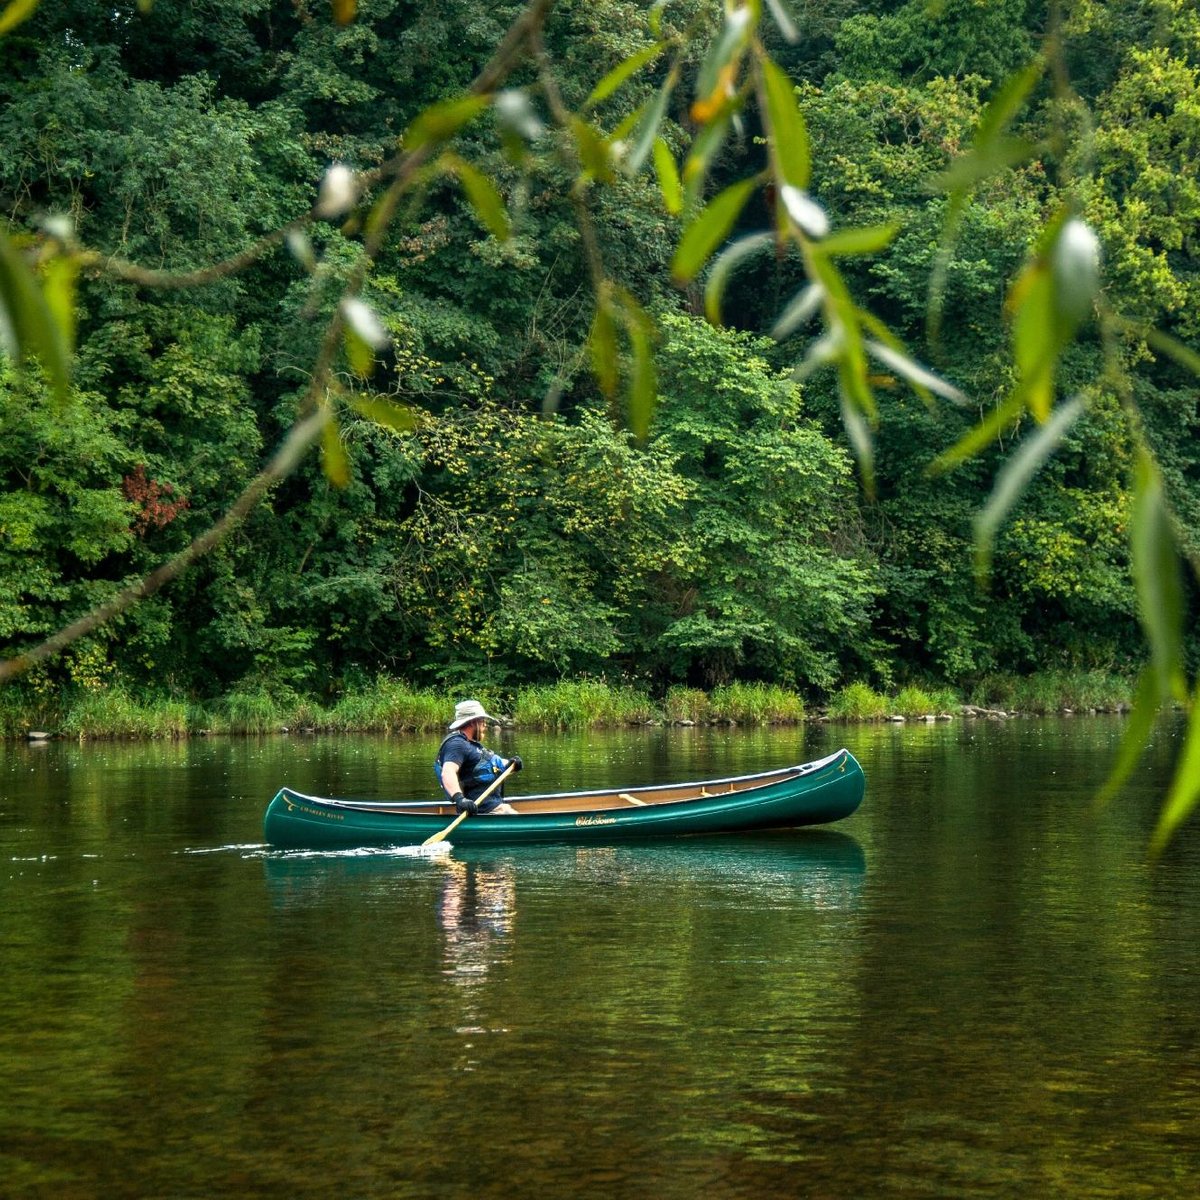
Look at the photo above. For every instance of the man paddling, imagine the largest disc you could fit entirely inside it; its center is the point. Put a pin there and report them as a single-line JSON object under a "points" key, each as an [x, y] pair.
{"points": [[465, 767]]}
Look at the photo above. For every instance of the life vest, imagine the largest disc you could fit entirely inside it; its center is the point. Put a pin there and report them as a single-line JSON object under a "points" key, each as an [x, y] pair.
{"points": [[476, 774]]}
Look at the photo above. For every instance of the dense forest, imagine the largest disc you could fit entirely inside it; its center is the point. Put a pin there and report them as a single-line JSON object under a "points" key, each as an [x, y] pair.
{"points": [[517, 527]]}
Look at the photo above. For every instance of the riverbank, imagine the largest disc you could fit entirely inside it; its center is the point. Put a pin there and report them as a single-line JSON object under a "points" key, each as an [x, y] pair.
{"points": [[392, 706]]}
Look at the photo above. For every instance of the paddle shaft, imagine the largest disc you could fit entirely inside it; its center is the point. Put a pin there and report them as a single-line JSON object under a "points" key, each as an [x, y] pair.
{"points": [[462, 816]]}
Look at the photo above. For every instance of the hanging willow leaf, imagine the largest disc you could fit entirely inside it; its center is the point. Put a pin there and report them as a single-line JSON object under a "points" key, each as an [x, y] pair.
{"points": [[861, 443], [622, 72], [783, 21], [1185, 356], [1136, 735], [648, 129], [845, 320], [383, 412], [1037, 338], [441, 121], [60, 276], [595, 154], [801, 309], [704, 149], [643, 384], [668, 178], [1185, 786], [870, 239], [923, 379], [789, 134], [1156, 576], [709, 230], [1014, 478], [15, 12], [1000, 419], [482, 193], [334, 459], [714, 85], [724, 266], [602, 340], [29, 320]]}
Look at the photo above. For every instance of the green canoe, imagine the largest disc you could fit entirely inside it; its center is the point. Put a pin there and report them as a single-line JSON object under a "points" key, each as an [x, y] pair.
{"points": [[810, 794]]}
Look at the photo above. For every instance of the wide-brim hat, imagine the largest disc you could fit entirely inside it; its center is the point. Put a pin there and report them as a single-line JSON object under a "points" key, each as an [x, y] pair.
{"points": [[468, 711]]}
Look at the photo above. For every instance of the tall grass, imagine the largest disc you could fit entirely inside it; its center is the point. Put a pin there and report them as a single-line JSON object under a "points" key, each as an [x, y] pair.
{"points": [[113, 713], [390, 706], [686, 704], [755, 704], [858, 702], [580, 704], [914, 701], [256, 711], [1053, 691]]}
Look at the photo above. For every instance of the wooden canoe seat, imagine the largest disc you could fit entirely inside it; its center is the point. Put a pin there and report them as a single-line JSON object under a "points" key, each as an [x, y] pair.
{"points": [[633, 799]]}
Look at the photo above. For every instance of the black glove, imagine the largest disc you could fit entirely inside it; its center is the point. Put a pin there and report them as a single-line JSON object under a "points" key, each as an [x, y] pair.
{"points": [[516, 763], [462, 804]]}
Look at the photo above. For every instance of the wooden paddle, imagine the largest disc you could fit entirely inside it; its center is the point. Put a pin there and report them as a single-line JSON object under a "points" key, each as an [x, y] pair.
{"points": [[462, 816]]}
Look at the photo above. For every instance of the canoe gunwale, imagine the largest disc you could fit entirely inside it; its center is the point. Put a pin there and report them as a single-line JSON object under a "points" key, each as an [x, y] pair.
{"points": [[440, 807]]}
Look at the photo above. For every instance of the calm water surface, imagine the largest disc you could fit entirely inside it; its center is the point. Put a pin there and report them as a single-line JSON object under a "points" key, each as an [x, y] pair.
{"points": [[974, 987]]}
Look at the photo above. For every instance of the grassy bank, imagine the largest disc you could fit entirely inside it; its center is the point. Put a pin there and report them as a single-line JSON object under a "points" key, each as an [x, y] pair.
{"points": [[392, 706]]}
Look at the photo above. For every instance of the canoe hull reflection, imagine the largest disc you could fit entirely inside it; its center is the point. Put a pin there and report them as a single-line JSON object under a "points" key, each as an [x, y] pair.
{"points": [[815, 793]]}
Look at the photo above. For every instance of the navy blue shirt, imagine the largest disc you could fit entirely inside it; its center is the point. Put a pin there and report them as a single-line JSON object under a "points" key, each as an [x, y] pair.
{"points": [[477, 767]]}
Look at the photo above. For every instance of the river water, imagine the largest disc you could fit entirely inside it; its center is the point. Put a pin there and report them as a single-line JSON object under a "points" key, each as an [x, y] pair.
{"points": [[976, 986]]}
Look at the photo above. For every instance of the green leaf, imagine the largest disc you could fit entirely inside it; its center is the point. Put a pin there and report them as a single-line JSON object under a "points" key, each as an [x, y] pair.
{"points": [[595, 154], [358, 352], [29, 317], [1136, 736], [783, 22], [15, 12], [643, 380], [1185, 786], [923, 379], [724, 265], [61, 274], [704, 150], [668, 178], [384, 412], [861, 443], [643, 386], [972, 168], [845, 322], [1002, 417], [709, 229], [648, 129], [484, 196], [334, 459], [799, 311], [622, 72], [1014, 477], [789, 134], [870, 239], [716, 72], [1037, 338], [442, 121], [1007, 102], [1156, 576], [1185, 356], [603, 343], [344, 10]]}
